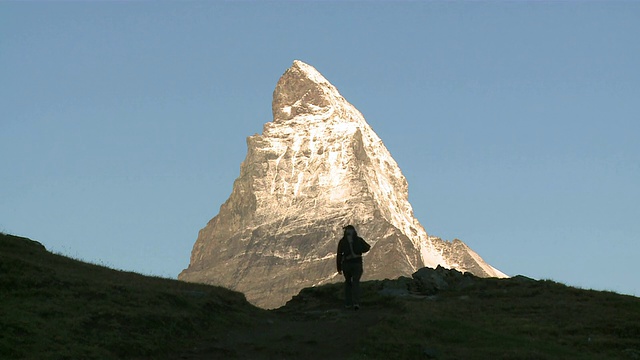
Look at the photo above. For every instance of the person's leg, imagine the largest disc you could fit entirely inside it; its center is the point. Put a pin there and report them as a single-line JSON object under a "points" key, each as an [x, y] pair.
{"points": [[355, 284], [348, 276]]}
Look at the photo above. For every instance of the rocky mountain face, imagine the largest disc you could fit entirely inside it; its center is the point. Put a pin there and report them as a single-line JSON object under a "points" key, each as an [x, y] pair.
{"points": [[317, 167]]}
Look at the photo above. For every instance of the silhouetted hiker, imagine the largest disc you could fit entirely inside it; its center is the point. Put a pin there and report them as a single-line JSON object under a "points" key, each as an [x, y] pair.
{"points": [[349, 261]]}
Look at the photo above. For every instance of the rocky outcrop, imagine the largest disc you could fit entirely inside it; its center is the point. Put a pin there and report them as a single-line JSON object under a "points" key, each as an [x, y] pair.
{"points": [[430, 281], [315, 168]]}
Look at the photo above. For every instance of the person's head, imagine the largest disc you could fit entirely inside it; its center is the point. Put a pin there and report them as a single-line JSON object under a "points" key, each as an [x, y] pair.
{"points": [[349, 230]]}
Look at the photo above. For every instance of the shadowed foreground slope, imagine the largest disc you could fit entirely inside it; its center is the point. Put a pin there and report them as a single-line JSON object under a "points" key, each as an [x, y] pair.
{"points": [[53, 307]]}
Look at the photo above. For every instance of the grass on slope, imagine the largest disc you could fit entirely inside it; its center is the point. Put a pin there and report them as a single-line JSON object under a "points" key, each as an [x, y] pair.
{"points": [[54, 307], [515, 318], [510, 319]]}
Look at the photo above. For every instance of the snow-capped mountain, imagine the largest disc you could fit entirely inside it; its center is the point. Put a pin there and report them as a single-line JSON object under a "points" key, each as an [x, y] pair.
{"points": [[317, 167]]}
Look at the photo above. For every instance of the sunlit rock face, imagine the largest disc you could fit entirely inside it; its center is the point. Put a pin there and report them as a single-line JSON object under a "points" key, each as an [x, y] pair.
{"points": [[315, 168]]}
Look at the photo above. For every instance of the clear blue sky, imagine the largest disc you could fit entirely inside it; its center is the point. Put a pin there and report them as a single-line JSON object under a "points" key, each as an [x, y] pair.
{"points": [[123, 124]]}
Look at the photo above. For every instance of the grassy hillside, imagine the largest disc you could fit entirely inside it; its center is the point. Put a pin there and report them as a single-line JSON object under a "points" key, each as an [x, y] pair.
{"points": [[515, 318], [53, 307]]}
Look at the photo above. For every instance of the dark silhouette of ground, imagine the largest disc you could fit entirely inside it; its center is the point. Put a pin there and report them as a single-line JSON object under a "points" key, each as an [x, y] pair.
{"points": [[61, 308], [309, 327]]}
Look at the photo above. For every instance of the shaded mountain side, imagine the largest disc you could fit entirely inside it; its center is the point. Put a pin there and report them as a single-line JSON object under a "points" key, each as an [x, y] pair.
{"points": [[53, 307], [290, 271]]}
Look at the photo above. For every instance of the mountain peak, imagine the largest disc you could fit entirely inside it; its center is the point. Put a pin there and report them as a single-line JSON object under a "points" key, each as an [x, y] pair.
{"points": [[302, 90], [307, 71]]}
